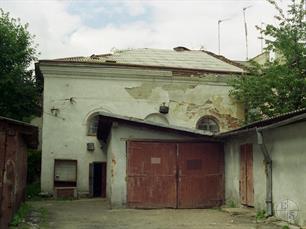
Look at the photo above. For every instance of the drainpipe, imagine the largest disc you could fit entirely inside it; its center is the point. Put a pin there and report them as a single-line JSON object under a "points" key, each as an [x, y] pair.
{"points": [[268, 167]]}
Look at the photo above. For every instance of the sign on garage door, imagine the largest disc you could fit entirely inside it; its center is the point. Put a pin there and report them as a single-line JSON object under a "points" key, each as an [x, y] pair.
{"points": [[175, 175]]}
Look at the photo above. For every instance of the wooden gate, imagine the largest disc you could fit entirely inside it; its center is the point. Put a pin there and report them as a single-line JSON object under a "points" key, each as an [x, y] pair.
{"points": [[175, 175], [151, 175], [201, 181], [246, 175]]}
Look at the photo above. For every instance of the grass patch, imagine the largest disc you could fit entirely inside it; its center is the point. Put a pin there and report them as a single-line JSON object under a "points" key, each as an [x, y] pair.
{"points": [[32, 191], [260, 215], [21, 214], [285, 227], [231, 204], [27, 216]]}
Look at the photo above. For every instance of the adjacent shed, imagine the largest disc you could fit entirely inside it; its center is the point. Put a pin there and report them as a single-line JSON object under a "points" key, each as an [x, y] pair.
{"points": [[265, 166], [152, 165], [15, 137]]}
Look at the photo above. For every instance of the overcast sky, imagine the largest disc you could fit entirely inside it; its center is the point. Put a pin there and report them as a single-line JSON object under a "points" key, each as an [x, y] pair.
{"points": [[78, 28]]}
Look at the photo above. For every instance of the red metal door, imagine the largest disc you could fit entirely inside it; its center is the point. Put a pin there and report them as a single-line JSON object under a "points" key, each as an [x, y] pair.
{"points": [[200, 180], [151, 171], [246, 175]]}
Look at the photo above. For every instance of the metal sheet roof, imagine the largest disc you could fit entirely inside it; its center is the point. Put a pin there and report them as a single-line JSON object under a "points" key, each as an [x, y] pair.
{"points": [[275, 121], [187, 59], [143, 122]]}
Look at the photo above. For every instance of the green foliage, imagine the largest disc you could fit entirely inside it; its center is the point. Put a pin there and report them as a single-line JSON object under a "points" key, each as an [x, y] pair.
{"points": [[260, 215], [28, 215], [33, 176], [279, 86], [19, 92], [32, 191], [285, 227], [231, 204], [34, 166], [21, 214]]}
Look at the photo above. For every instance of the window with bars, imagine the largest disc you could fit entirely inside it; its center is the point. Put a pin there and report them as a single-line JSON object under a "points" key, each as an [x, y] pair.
{"points": [[92, 127], [208, 123]]}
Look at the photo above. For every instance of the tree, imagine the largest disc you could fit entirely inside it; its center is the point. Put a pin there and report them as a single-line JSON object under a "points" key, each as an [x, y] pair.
{"points": [[19, 92], [278, 86]]}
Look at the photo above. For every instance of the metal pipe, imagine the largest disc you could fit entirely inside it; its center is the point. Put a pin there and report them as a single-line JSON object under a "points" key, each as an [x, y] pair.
{"points": [[268, 168], [219, 21], [246, 32], [219, 34]]}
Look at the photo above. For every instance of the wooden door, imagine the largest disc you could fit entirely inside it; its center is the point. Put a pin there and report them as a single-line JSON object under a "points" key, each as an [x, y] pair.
{"points": [[151, 171], [200, 180], [246, 175]]}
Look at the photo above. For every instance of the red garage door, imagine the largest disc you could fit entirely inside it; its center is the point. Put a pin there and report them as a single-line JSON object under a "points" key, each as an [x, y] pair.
{"points": [[175, 175]]}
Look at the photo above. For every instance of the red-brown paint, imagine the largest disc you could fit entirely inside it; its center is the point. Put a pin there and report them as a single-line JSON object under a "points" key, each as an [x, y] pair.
{"points": [[201, 183], [175, 175], [13, 167], [246, 175], [151, 174]]}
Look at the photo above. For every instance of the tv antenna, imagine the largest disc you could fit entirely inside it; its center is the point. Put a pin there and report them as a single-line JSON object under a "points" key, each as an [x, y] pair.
{"points": [[219, 34], [246, 31]]}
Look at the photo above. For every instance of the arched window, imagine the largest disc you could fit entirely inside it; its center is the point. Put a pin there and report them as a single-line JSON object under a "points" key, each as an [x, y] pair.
{"points": [[158, 118], [92, 125], [208, 123]]}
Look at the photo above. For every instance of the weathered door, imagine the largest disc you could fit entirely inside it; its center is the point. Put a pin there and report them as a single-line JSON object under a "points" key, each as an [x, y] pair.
{"points": [[176, 175], [151, 171], [3, 210], [200, 180], [246, 175]]}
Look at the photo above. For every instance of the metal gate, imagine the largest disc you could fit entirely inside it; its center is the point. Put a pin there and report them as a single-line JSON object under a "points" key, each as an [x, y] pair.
{"points": [[175, 175]]}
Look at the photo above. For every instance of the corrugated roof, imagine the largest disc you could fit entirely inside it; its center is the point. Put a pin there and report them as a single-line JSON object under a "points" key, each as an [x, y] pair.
{"points": [[295, 115], [186, 59], [17, 122], [155, 124]]}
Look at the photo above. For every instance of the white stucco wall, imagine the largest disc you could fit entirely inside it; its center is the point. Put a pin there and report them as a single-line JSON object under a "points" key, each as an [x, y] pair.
{"points": [[287, 148], [72, 94]]}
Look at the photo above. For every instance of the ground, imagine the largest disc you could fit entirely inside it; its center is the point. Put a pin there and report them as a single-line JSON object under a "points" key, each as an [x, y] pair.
{"points": [[96, 214]]}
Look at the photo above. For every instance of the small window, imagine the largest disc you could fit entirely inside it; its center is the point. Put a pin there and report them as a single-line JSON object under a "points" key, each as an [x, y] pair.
{"points": [[208, 124], [65, 173], [93, 125]]}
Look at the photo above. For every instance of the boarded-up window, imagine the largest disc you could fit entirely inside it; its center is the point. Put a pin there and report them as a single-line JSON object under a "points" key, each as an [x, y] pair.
{"points": [[65, 172]]}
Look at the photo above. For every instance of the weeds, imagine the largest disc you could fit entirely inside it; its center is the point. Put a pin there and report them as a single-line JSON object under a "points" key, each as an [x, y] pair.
{"points": [[32, 191], [260, 215], [231, 204], [21, 214]]}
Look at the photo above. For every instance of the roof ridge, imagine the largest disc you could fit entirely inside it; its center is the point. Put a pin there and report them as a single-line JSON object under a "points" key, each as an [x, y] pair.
{"points": [[181, 58]]}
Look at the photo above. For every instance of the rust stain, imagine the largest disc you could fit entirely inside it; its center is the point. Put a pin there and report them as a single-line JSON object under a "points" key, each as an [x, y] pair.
{"points": [[114, 162]]}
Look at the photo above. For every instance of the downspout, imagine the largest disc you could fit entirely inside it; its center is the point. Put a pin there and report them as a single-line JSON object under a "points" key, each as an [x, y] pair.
{"points": [[268, 170]]}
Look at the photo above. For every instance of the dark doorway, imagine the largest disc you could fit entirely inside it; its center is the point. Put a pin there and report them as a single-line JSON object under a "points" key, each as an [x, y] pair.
{"points": [[97, 179]]}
